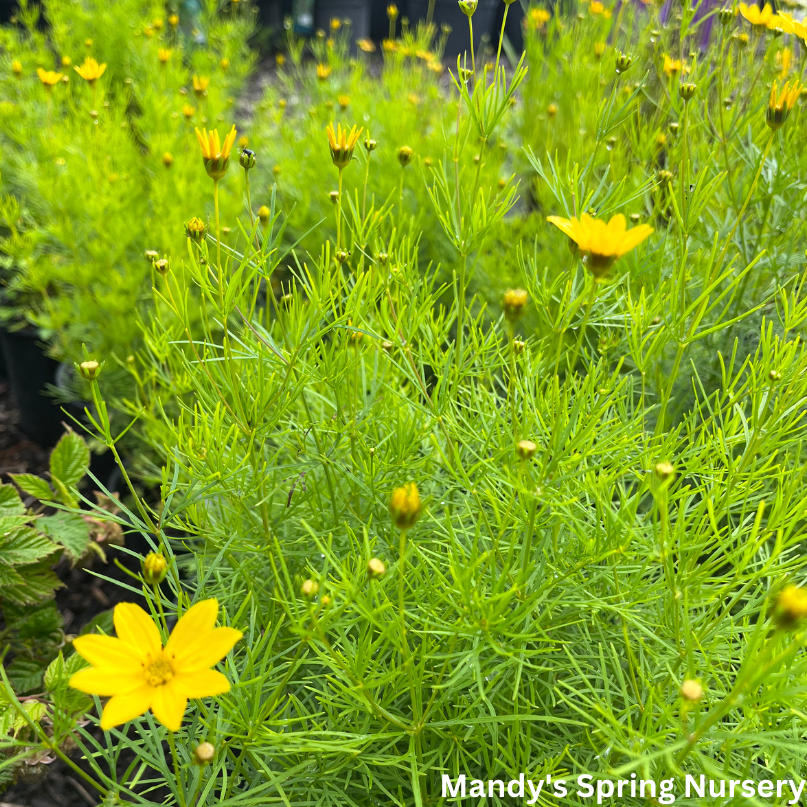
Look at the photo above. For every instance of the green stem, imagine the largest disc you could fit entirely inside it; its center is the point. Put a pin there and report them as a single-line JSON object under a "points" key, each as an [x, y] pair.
{"points": [[180, 787], [339, 214]]}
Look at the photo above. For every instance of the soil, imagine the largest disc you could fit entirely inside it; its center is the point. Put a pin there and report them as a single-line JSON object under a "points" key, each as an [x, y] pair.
{"points": [[83, 597]]}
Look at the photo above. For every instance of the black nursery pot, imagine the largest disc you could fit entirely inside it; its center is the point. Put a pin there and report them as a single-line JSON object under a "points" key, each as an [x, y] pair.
{"points": [[29, 372], [448, 12]]}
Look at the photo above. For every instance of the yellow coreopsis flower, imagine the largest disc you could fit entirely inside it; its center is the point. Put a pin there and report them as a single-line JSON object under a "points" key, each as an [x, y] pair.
{"points": [[342, 143], [405, 506], [173, 20], [596, 7], [756, 16], [336, 23], [323, 71], [601, 243], [538, 18], [140, 674], [672, 66], [215, 155], [392, 11], [344, 101], [389, 45], [188, 111], [200, 85], [16, 67], [784, 58], [280, 59], [779, 105], [367, 45], [791, 26], [90, 71], [164, 54], [48, 77]]}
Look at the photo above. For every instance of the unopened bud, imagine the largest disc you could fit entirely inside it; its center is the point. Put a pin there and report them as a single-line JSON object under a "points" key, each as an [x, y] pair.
{"points": [[515, 303], [405, 506], [664, 471], [203, 753], [375, 568], [247, 159], [687, 90], [155, 568], [89, 370], [404, 155], [195, 229], [691, 690], [309, 588], [525, 449]]}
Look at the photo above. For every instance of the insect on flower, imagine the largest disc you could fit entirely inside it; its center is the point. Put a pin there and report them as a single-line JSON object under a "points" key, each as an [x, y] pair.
{"points": [[140, 674], [601, 243]]}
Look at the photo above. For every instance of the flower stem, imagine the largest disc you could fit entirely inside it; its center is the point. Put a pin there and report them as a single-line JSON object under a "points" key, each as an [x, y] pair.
{"points": [[339, 214], [180, 788]]}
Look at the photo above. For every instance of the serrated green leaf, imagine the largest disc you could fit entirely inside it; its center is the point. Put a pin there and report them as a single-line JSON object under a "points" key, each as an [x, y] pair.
{"points": [[68, 529], [69, 460], [25, 675], [26, 545], [10, 502], [33, 485], [39, 623], [39, 583]]}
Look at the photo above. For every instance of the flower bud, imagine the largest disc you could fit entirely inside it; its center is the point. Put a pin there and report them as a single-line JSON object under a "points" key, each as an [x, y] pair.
{"points": [[404, 155], [151, 255], [247, 159], [168, 159], [375, 568], [552, 110], [664, 471], [775, 375], [525, 449], [264, 214], [686, 89], [726, 16], [405, 506], [519, 345], [370, 145], [309, 588], [342, 255], [623, 61], [162, 266], [333, 196], [515, 303], [155, 568], [195, 229], [203, 753], [468, 7], [89, 370], [691, 691], [465, 75]]}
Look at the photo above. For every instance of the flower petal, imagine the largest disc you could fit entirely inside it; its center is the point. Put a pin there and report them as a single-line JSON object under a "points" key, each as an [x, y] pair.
{"points": [[193, 625], [565, 225], [103, 682], [201, 684], [136, 628], [127, 706], [169, 706], [203, 652], [110, 653], [634, 237]]}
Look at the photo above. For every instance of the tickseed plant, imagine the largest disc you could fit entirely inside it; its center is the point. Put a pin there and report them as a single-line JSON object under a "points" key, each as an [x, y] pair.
{"points": [[494, 453]]}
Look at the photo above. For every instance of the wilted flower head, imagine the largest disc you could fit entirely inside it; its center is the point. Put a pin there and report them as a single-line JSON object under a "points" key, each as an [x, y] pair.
{"points": [[780, 104], [601, 243], [342, 143], [216, 157], [90, 71]]}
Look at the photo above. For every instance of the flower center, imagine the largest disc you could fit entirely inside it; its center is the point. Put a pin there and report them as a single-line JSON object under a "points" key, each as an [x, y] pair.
{"points": [[159, 672]]}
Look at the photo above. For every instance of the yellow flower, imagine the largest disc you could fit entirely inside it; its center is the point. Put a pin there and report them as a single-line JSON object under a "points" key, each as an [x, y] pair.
{"points": [[158, 24], [48, 77], [791, 26], [336, 23], [215, 155], [164, 54], [784, 58], [200, 85], [515, 304], [392, 11], [672, 66], [599, 49], [280, 60], [323, 71], [140, 674], [367, 45], [779, 106], [16, 67], [342, 143], [791, 606], [344, 101], [538, 18], [225, 64], [173, 20], [596, 7], [760, 18], [188, 111], [405, 506], [90, 71], [601, 243], [435, 66], [88, 43], [66, 61], [389, 45]]}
